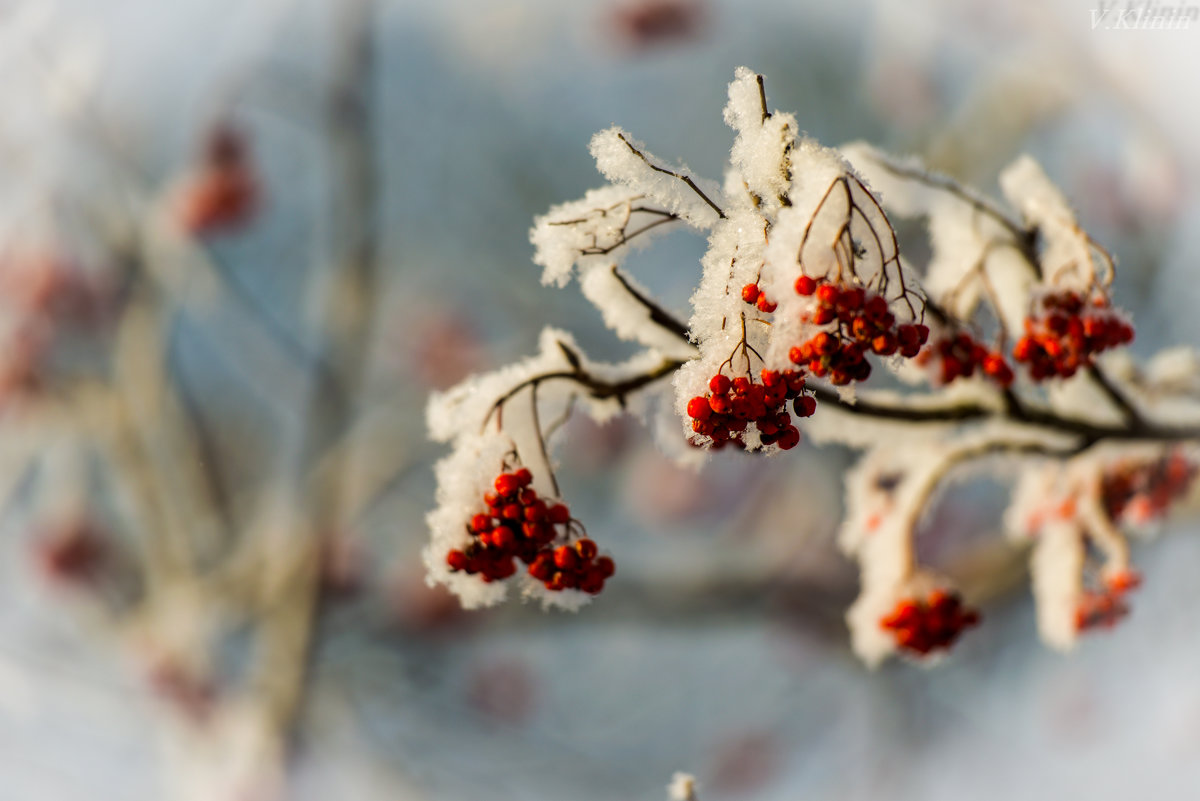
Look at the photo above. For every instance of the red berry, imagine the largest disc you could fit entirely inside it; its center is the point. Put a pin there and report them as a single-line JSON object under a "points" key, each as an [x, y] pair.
{"points": [[851, 299], [1025, 349], [805, 285], [507, 484], [750, 293], [586, 549], [824, 315], [543, 566], [503, 538], [457, 560], [719, 384], [884, 344], [804, 406], [789, 438], [1123, 581], [504, 568], [565, 557], [592, 583], [876, 307], [558, 514], [766, 306], [698, 408], [606, 566], [995, 367], [952, 368], [537, 532], [480, 523]]}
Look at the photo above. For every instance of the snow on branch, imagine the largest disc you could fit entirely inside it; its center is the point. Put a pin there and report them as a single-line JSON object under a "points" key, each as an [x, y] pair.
{"points": [[624, 160], [597, 230]]}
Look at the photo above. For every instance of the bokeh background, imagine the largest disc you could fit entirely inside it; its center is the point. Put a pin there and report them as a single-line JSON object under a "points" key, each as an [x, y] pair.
{"points": [[719, 647]]}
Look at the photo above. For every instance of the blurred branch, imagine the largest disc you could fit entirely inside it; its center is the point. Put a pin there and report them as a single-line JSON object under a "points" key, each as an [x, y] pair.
{"points": [[344, 327]]}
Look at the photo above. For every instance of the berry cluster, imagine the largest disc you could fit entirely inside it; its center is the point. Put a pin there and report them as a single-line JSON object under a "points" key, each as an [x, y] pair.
{"points": [[960, 356], [732, 405], [758, 299], [520, 525], [1105, 607], [1144, 491], [861, 323], [573, 566], [935, 623], [1068, 333], [224, 193]]}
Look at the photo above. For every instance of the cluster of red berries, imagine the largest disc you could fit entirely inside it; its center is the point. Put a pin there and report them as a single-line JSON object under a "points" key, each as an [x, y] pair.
{"points": [[1146, 490], [573, 566], [521, 525], [862, 323], [758, 299], [960, 356], [732, 405], [1068, 333], [1105, 607], [935, 623]]}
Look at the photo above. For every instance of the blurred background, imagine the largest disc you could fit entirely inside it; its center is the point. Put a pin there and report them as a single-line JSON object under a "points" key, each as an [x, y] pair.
{"points": [[240, 243]]}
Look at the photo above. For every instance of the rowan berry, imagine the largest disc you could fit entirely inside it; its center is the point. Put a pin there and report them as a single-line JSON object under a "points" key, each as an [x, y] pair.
{"points": [[1123, 581], [804, 406], [457, 560], [698, 408], [592, 582], [1140, 491], [1100, 608], [565, 557], [503, 537], [521, 525], [789, 438], [921, 626], [507, 484], [1064, 334]]}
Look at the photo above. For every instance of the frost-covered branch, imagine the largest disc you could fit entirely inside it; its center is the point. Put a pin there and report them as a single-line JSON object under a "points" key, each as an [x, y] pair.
{"points": [[1005, 340]]}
